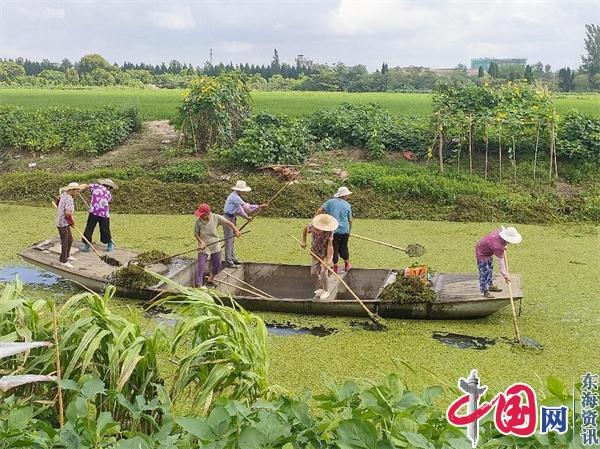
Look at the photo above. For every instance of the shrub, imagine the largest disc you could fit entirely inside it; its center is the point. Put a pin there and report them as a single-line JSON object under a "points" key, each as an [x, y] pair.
{"points": [[78, 131], [579, 137], [187, 171], [371, 127], [272, 139]]}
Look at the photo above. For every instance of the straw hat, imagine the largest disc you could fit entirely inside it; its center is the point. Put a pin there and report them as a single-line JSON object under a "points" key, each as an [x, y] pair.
{"points": [[70, 186], [241, 186], [107, 182], [342, 191], [510, 235], [325, 222], [202, 210]]}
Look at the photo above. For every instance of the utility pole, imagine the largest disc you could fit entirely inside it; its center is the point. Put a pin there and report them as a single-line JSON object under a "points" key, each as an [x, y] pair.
{"points": [[211, 56]]}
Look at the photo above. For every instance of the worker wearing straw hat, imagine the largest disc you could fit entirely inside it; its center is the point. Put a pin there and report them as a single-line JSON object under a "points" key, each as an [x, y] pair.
{"points": [[490, 245], [205, 231], [65, 208], [321, 229], [339, 208], [99, 213], [234, 206]]}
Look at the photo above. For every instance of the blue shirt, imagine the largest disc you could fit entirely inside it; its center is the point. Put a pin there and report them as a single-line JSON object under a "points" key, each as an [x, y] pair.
{"points": [[341, 210], [234, 200]]}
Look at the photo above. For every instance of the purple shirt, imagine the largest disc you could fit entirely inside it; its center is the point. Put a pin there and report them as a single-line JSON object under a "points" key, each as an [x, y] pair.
{"points": [[101, 198], [492, 245]]}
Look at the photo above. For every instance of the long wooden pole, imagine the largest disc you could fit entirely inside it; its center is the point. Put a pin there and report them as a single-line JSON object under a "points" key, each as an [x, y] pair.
{"points": [[512, 302], [241, 288], [377, 320], [280, 191], [250, 286], [377, 241]]}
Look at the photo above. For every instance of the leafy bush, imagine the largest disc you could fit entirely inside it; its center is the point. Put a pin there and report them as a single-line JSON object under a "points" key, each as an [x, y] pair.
{"points": [[187, 171], [371, 127], [272, 139], [76, 130], [214, 109], [579, 137]]}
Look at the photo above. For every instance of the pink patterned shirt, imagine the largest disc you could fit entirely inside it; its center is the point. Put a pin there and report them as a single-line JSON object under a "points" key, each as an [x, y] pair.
{"points": [[492, 245], [101, 198]]}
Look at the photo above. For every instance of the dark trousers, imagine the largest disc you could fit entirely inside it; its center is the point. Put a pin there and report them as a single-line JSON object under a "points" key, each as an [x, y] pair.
{"points": [[104, 223], [66, 241], [340, 247]]}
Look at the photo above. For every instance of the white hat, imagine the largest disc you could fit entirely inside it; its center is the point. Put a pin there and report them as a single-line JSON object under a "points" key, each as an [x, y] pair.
{"points": [[71, 186], [342, 191], [108, 182], [325, 222], [241, 186], [511, 235]]}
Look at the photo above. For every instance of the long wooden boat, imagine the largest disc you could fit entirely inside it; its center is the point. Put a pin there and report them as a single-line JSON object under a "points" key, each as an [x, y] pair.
{"points": [[458, 295]]}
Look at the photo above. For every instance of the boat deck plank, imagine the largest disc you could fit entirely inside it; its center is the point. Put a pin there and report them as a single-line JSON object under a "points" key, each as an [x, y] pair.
{"points": [[457, 287]]}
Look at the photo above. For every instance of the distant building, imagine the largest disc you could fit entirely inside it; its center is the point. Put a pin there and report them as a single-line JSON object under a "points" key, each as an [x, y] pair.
{"points": [[485, 62], [303, 61]]}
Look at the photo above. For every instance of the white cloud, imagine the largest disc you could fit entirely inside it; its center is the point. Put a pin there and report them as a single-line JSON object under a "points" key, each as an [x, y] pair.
{"points": [[173, 18], [53, 13]]}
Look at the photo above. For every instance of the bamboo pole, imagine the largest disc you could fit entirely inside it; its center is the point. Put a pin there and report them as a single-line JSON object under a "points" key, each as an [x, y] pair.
{"points": [[441, 147], [500, 152], [471, 145], [61, 413], [379, 242], [514, 158], [487, 141], [537, 142], [512, 302], [241, 288], [250, 286], [280, 191], [377, 320]]}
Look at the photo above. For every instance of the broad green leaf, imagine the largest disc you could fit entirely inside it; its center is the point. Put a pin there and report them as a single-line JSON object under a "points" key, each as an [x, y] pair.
{"points": [[417, 440], [556, 387], [356, 434], [250, 438], [92, 387]]}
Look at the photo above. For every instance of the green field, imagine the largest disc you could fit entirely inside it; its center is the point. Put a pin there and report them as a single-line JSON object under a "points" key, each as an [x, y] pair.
{"points": [[560, 310], [160, 104]]}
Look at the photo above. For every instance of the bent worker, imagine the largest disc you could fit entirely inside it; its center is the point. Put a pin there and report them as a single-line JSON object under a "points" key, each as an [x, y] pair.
{"points": [[99, 213], [65, 207], [234, 206], [321, 229], [205, 231], [494, 244], [340, 209]]}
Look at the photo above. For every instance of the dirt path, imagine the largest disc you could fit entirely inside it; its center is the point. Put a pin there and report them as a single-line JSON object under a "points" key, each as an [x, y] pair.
{"points": [[144, 147]]}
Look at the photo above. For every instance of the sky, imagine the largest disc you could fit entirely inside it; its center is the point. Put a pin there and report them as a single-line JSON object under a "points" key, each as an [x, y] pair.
{"points": [[434, 34]]}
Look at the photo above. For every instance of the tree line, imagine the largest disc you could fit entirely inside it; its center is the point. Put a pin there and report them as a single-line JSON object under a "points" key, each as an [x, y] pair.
{"points": [[95, 70]]}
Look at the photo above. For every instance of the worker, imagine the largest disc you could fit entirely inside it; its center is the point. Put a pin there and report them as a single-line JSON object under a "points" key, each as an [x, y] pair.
{"points": [[65, 207], [339, 208], [234, 206], [205, 231], [98, 213], [494, 244], [321, 229]]}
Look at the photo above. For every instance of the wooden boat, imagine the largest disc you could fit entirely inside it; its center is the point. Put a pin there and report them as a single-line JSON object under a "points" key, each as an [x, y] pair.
{"points": [[458, 295]]}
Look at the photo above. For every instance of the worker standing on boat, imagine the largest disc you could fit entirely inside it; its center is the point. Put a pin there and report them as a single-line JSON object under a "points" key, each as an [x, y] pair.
{"points": [[339, 208], [494, 244], [98, 213], [206, 234], [321, 228], [65, 207], [234, 206]]}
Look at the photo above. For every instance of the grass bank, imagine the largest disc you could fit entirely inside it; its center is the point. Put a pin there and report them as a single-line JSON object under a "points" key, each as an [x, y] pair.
{"points": [[163, 103], [560, 310]]}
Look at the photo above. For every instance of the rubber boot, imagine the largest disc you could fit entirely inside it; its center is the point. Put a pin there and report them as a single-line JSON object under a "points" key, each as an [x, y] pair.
{"points": [[86, 248], [109, 247]]}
